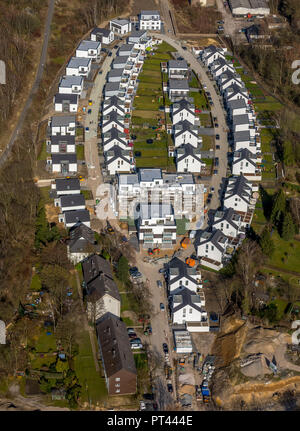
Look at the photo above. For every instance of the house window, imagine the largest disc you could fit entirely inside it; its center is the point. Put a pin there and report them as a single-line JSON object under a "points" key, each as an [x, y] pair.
{"points": [[187, 283], [227, 226], [117, 390], [117, 379], [184, 313], [117, 385], [212, 248], [191, 311]]}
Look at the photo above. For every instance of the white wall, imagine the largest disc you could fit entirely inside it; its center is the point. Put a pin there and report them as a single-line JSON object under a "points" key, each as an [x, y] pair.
{"points": [[189, 165]]}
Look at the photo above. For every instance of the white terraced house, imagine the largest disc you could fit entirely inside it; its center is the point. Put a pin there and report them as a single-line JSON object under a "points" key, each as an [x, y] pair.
{"points": [[118, 160], [183, 110], [178, 69], [247, 139], [187, 308], [102, 35], [235, 92], [79, 66], [238, 194], [229, 222], [188, 159], [61, 144], [63, 163], [70, 202], [179, 190], [66, 186], [212, 53], [74, 218], [246, 163], [220, 66], [120, 26], [242, 123], [113, 104], [62, 125], [112, 89], [186, 133], [113, 120], [237, 107], [82, 242], [65, 102], [211, 248], [89, 49], [140, 40], [177, 89], [71, 85], [114, 138], [227, 79], [149, 20], [156, 225], [182, 276]]}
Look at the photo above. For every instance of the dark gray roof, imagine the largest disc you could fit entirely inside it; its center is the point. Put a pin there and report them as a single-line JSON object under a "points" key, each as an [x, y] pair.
{"points": [[229, 216], [239, 186], [124, 48], [114, 73], [62, 120], [72, 200], [101, 31], [121, 59], [95, 265], [116, 152], [85, 45], [77, 216], [114, 133], [137, 34], [150, 12], [187, 297], [244, 154], [62, 139], [65, 157], [79, 61], [68, 81], [183, 126], [240, 119], [102, 285], [112, 86], [183, 104], [236, 89], [67, 184], [115, 347], [177, 64], [186, 150], [228, 74], [242, 136], [112, 116], [180, 269], [237, 104], [60, 98], [178, 84], [216, 238], [82, 239]]}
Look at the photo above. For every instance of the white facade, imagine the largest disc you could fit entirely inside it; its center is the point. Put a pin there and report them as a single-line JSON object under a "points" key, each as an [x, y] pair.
{"points": [[119, 164], [71, 85], [189, 164], [57, 167], [184, 114], [150, 20], [64, 125], [120, 26], [57, 148], [106, 304], [89, 49], [186, 137], [78, 67], [61, 106]]}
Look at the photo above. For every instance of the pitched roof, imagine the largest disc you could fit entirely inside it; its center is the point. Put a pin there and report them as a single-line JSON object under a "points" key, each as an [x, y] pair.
{"points": [[121, 59], [183, 104], [180, 269], [113, 101], [81, 238], [112, 116], [63, 184], [187, 297], [115, 153], [112, 86], [115, 347], [183, 126], [77, 216], [72, 200], [120, 21], [229, 216], [239, 186], [115, 73], [124, 48], [112, 134], [186, 150], [95, 265], [241, 136], [137, 34], [217, 238], [244, 154]]}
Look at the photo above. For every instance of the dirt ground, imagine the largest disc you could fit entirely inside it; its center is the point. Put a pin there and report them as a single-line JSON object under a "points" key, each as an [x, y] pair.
{"points": [[139, 5]]}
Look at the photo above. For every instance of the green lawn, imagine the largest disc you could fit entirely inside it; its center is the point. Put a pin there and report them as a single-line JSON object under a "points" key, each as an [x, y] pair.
{"points": [[207, 142], [286, 256], [269, 175], [80, 151], [165, 47], [36, 284], [281, 307], [43, 153], [148, 102], [194, 83], [181, 226], [208, 162], [199, 99], [93, 385], [259, 216], [45, 342], [88, 195], [205, 120]]}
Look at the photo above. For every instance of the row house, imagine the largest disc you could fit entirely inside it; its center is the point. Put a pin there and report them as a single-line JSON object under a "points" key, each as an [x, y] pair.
{"points": [[182, 276], [65, 102], [140, 40], [212, 53], [119, 160], [70, 202], [230, 223], [239, 195], [114, 137], [188, 159], [73, 218], [183, 110], [178, 69], [61, 144], [247, 163], [65, 186], [220, 66], [156, 226], [247, 139], [63, 164], [149, 20], [81, 243], [186, 133], [62, 125], [177, 89], [236, 92], [113, 104], [212, 248], [112, 120]]}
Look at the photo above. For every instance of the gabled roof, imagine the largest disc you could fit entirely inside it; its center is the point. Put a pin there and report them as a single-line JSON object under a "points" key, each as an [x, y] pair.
{"points": [[115, 347], [113, 101], [81, 238], [72, 200], [239, 186], [183, 126], [63, 184], [183, 105], [186, 297], [177, 64], [77, 216], [217, 238], [244, 154], [111, 117], [113, 133], [235, 89], [180, 269], [95, 265], [228, 216], [186, 150], [115, 153]]}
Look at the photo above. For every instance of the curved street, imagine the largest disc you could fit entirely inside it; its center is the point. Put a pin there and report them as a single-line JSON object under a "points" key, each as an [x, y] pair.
{"points": [[35, 86]]}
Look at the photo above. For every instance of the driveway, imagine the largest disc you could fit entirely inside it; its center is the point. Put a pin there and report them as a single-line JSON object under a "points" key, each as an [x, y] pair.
{"points": [[217, 111], [91, 121]]}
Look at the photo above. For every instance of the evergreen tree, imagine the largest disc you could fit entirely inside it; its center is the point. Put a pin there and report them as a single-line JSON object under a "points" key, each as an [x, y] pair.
{"points": [[278, 208], [288, 227], [266, 243]]}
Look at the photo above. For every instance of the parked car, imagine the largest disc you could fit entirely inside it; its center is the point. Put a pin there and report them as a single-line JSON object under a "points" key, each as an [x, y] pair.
{"points": [[217, 147], [170, 387], [135, 340], [215, 171], [217, 136], [100, 72], [137, 275], [110, 54], [133, 270], [216, 125], [217, 161], [162, 270], [215, 119], [162, 306], [132, 335], [159, 283], [89, 111], [165, 348], [142, 405], [136, 346], [130, 331], [137, 154], [212, 189], [149, 397]]}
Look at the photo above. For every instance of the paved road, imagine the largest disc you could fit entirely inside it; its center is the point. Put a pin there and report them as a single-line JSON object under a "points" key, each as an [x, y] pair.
{"points": [[217, 111], [90, 144], [35, 85], [165, 12]]}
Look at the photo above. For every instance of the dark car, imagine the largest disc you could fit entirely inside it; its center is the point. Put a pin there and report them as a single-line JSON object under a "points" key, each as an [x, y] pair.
{"points": [[217, 147], [215, 119], [100, 72], [110, 54], [133, 137], [149, 397], [215, 171], [162, 306], [165, 348], [132, 335], [170, 387], [162, 270], [217, 137], [137, 154], [216, 125], [213, 316], [184, 47], [217, 161], [149, 141], [133, 270]]}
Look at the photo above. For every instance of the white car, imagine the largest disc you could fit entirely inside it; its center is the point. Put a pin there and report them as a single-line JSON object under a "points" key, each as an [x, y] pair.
{"points": [[142, 405], [136, 346]]}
